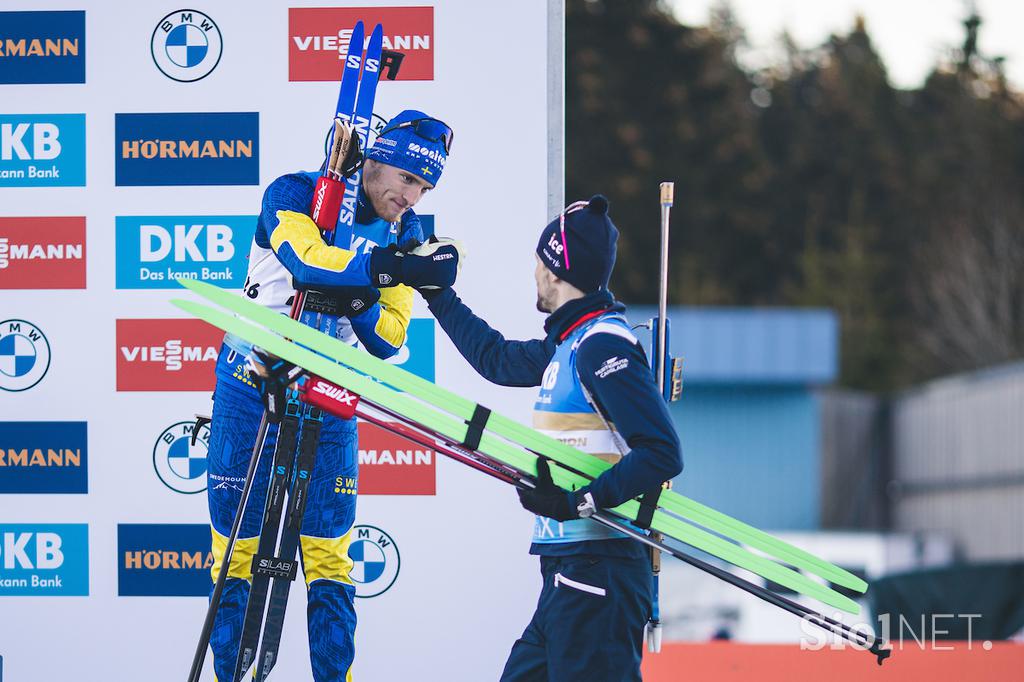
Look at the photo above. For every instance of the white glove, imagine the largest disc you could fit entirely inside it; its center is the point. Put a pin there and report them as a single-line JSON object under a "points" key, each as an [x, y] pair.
{"points": [[434, 243]]}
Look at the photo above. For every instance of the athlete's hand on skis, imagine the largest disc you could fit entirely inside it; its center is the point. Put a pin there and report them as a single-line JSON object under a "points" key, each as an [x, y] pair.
{"points": [[547, 499], [433, 265]]}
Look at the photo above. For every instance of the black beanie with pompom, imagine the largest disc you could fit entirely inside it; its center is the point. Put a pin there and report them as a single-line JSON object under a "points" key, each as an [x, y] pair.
{"points": [[581, 250]]}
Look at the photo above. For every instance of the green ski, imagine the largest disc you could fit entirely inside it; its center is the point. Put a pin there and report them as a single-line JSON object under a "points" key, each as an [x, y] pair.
{"points": [[521, 434], [456, 428]]}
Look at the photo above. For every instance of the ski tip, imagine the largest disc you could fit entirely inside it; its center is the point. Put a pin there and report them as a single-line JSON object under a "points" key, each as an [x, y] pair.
{"points": [[190, 307], [193, 284]]}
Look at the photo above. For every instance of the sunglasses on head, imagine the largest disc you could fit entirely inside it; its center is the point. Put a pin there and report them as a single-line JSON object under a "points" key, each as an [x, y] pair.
{"points": [[429, 129], [571, 208]]}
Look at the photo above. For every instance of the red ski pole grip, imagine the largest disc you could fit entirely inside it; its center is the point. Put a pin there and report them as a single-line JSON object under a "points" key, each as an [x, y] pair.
{"points": [[327, 202], [330, 398]]}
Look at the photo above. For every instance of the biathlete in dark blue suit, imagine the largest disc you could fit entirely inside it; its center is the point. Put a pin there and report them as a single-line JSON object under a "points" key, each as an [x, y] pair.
{"points": [[598, 394]]}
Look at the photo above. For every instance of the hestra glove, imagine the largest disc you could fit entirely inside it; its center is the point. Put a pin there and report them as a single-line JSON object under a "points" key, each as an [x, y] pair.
{"points": [[433, 265]]}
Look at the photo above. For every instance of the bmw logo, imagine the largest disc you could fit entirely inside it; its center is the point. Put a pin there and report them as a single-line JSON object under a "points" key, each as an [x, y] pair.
{"points": [[375, 561], [179, 464], [186, 45], [24, 355]]}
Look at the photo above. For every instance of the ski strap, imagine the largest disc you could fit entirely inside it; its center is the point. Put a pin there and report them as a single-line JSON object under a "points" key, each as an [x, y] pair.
{"points": [[477, 423], [648, 505]]}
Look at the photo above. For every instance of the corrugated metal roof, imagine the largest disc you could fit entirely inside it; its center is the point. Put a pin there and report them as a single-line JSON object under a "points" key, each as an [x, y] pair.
{"points": [[751, 345]]}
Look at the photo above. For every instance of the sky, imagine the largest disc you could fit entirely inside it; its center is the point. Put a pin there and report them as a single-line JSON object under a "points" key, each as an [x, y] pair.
{"points": [[909, 34]]}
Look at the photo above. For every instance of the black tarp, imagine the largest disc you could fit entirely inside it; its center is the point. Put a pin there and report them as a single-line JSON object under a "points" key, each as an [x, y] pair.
{"points": [[940, 601]]}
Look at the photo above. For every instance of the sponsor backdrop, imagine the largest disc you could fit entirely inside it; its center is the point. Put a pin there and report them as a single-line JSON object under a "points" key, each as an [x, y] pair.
{"points": [[135, 143]]}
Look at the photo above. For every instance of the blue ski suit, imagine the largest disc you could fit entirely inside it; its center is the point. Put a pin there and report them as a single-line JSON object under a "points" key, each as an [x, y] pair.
{"points": [[596, 595], [287, 250]]}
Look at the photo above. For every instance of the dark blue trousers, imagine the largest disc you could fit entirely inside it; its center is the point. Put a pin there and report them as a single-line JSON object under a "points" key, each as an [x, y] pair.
{"points": [[589, 622]]}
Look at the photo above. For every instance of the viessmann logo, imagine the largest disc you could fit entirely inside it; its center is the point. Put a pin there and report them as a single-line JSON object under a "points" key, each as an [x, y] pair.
{"points": [[318, 39], [154, 250], [44, 457], [163, 560], [392, 465], [42, 150], [42, 47], [42, 253], [213, 148], [166, 355]]}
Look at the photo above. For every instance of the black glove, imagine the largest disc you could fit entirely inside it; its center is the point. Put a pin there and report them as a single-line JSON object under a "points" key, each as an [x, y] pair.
{"points": [[549, 500], [342, 301], [435, 269]]}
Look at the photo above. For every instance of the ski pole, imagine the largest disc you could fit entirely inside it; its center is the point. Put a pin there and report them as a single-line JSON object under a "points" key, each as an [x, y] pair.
{"points": [[222, 575]]}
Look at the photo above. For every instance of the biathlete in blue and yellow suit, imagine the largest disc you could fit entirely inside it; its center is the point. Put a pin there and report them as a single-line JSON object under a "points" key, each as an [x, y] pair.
{"points": [[370, 281]]}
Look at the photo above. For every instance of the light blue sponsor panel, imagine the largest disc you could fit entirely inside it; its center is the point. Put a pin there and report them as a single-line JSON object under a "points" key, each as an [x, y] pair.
{"points": [[153, 250], [417, 356], [42, 150], [44, 560]]}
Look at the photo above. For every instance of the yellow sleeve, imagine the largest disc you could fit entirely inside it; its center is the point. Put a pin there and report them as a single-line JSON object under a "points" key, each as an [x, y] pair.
{"points": [[297, 242], [396, 311]]}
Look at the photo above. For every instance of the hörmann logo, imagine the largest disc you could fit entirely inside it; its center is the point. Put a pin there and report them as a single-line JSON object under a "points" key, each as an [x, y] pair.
{"points": [[44, 457], [163, 560], [42, 47], [42, 253], [392, 465], [154, 250], [166, 355], [42, 150], [44, 560], [318, 39], [186, 149]]}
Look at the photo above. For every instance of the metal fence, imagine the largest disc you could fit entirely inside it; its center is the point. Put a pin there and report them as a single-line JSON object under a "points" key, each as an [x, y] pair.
{"points": [[945, 457], [959, 461]]}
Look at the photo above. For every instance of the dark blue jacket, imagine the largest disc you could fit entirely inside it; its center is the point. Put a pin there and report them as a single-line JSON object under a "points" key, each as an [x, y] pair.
{"points": [[628, 398]]}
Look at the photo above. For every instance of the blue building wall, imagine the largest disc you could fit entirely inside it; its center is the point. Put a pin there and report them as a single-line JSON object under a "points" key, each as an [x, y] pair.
{"points": [[748, 418], [752, 452]]}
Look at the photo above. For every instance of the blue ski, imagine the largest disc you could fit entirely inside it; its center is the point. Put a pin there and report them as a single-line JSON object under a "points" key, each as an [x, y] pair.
{"points": [[358, 113]]}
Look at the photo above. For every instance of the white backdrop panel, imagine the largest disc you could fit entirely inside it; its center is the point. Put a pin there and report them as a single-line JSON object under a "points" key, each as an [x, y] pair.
{"points": [[466, 586]]}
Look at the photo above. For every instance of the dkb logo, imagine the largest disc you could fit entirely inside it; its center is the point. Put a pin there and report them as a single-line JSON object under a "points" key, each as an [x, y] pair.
{"points": [[44, 560]]}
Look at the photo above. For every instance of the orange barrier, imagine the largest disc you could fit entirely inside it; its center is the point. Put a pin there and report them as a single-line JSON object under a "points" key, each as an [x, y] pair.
{"points": [[732, 662]]}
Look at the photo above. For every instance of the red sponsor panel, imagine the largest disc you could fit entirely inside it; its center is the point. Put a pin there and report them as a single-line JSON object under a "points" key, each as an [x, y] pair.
{"points": [[166, 355], [42, 253], [318, 39], [392, 465]]}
